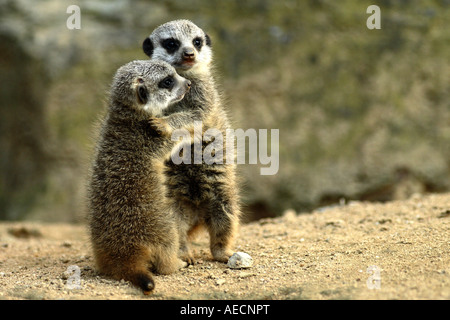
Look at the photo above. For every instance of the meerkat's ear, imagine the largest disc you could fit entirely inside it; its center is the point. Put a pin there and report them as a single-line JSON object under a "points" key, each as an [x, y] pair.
{"points": [[208, 40], [147, 45], [142, 93]]}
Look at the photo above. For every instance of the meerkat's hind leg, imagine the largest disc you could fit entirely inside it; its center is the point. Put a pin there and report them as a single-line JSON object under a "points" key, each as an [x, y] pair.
{"points": [[185, 252], [166, 260], [169, 264], [185, 232], [222, 227]]}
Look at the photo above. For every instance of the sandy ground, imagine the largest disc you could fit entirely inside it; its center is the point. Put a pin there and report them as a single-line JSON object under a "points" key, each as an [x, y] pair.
{"points": [[396, 250]]}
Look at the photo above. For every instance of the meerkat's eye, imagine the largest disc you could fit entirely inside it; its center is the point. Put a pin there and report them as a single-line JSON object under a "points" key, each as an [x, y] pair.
{"points": [[167, 83], [171, 45], [197, 42]]}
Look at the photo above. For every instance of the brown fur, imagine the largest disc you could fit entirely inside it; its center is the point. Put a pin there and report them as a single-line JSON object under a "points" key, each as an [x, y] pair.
{"points": [[132, 223], [206, 195]]}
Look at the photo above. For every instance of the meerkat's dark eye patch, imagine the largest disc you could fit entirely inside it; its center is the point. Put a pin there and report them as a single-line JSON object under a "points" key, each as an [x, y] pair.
{"points": [[198, 43], [167, 83], [147, 45], [171, 45], [208, 40], [142, 93]]}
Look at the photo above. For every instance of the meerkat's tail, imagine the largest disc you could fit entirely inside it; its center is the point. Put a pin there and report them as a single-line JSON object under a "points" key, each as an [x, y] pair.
{"points": [[140, 277], [143, 280], [134, 268]]}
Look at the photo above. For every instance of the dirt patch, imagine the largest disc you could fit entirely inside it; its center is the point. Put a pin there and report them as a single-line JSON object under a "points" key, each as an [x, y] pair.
{"points": [[395, 250]]}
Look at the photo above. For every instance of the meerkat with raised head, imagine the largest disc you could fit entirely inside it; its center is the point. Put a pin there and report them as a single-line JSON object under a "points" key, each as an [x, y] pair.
{"points": [[132, 224], [207, 195]]}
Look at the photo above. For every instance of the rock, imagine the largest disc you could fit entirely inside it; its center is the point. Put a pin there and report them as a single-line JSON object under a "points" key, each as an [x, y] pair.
{"points": [[240, 260], [66, 244], [25, 233], [244, 275], [289, 215]]}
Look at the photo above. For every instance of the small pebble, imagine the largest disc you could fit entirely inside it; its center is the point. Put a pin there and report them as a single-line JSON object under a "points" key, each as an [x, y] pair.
{"points": [[66, 244], [240, 260], [246, 274]]}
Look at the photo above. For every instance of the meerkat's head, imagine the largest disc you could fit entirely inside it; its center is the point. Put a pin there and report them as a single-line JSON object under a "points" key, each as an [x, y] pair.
{"points": [[180, 43], [149, 85]]}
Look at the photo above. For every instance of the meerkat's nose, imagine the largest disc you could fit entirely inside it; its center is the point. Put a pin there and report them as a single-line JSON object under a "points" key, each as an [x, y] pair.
{"points": [[188, 53]]}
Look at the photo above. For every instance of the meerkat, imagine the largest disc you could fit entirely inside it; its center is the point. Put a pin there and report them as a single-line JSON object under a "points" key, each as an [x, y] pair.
{"points": [[132, 224], [207, 195]]}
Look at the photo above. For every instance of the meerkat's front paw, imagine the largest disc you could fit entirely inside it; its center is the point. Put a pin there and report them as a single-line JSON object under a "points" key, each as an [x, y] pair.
{"points": [[161, 126]]}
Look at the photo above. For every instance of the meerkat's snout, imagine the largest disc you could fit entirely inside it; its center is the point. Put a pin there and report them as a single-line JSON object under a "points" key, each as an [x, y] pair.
{"points": [[187, 86], [188, 54], [184, 87]]}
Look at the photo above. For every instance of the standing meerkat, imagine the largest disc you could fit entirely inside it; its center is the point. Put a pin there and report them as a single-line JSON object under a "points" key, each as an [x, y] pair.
{"points": [[132, 224], [207, 194]]}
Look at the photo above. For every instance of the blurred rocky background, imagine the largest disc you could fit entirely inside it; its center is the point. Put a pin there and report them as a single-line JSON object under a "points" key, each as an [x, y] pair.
{"points": [[363, 114]]}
